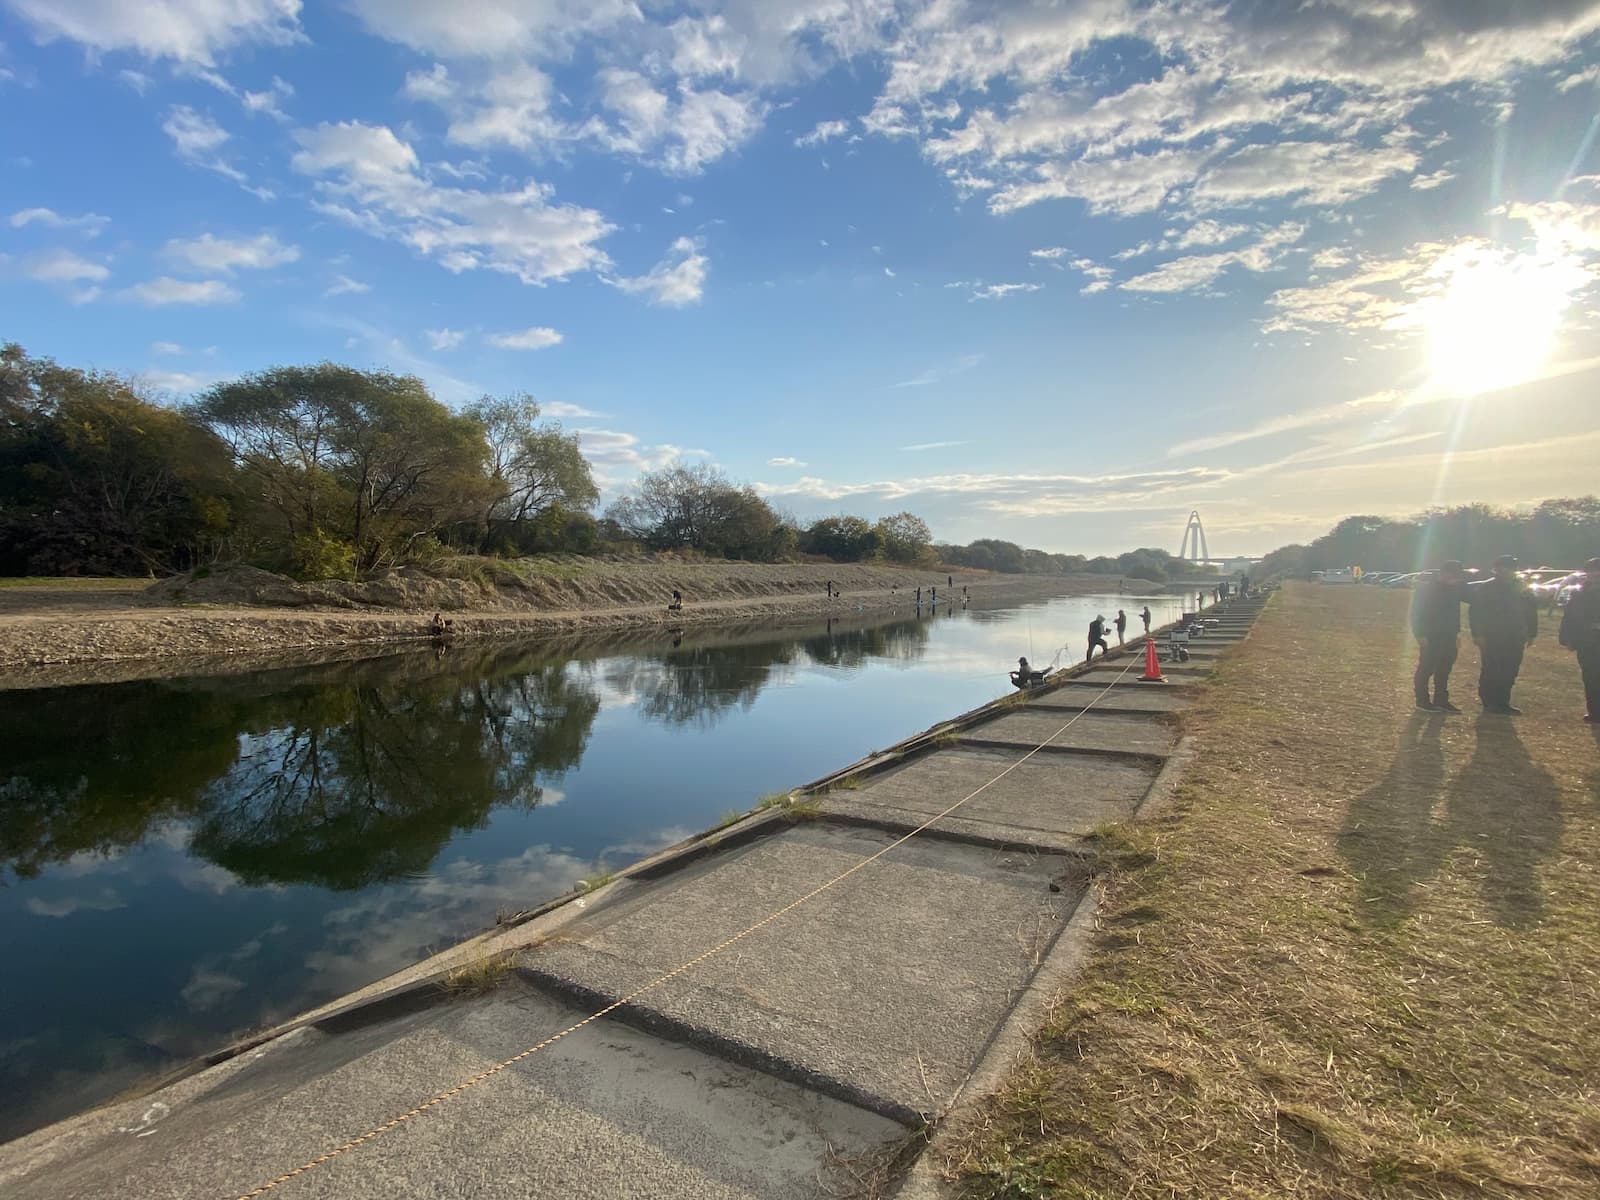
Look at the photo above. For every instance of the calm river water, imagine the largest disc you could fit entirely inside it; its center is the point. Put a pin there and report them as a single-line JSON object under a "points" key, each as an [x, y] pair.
{"points": [[185, 859]]}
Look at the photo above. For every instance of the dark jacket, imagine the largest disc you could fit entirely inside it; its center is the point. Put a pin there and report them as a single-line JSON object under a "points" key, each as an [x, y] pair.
{"points": [[1503, 610], [1097, 630], [1580, 621], [1436, 609]]}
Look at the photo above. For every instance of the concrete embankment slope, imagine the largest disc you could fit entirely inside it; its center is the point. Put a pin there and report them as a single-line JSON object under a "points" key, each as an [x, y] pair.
{"points": [[803, 993]]}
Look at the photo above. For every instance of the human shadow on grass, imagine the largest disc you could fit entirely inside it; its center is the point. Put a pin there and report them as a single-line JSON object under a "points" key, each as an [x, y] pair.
{"points": [[1505, 808], [1501, 809], [1391, 836]]}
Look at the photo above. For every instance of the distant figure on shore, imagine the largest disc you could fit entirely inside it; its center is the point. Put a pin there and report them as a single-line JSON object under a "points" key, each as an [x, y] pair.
{"points": [[949, 581], [919, 595], [1199, 601], [1436, 624], [830, 589], [933, 595], [1145, 617], [677, 601], [1580, 633], [1122, 626], [438, 627], [1097, 637], [1504, 618]]}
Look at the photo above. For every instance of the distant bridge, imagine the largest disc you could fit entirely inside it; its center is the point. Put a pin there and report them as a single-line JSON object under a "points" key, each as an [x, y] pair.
{"points": [[1193, 549]]}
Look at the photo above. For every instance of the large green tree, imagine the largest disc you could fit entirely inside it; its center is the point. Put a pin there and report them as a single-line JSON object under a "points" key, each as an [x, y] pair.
{"points": [[365, 457], [700, 508], [535, 469], [96, 478]]}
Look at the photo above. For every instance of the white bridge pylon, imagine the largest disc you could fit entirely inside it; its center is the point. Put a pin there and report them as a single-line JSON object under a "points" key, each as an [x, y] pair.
{"points": [[1193, 547]]}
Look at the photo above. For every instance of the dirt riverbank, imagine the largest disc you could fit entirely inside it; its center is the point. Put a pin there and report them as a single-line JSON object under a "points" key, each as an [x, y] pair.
{"points": [[66, 633]]}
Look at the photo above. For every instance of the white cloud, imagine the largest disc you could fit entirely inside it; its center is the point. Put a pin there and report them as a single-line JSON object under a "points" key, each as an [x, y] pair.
{"points": [[167, 290], [784, 461], [496, 28], [1426, 183], [535, 337], [211, 254], [1199, 270], [165, 348], [560, 409], [193, 134], [1050, 253], [681, 131], [618, 457], [999, 291], [90, 223], [196, 138], [343, 285], [188, 31], [824, 131], [676, 281], [444, 339], [269, 100], [1124, 186], [63, 266], [1020, 494], [175, 383], [1308, 172], [920, 446], [372, 180], [939, 373]]}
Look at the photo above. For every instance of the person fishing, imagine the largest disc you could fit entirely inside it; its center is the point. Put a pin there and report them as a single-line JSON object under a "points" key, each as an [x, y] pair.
{"points": [[1025, 675], [1097, 637], [1122, 626], [1145, 617]]}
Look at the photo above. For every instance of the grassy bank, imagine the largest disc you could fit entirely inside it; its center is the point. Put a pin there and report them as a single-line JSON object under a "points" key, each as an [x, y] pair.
{"points": [[1359, 957]]}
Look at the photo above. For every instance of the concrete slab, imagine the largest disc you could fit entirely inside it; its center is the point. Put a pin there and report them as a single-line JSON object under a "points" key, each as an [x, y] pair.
{"points": [[1048, 801], [1027, 728], [1149, 697], [607, 1112], [885, 989]]}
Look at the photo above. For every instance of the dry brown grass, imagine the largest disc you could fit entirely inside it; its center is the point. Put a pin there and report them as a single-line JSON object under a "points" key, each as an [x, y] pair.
{"points": [[1359, 958]]}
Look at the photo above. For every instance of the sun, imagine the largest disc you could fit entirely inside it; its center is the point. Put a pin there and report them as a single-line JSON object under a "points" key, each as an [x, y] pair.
{"points": [[1495, 317]]}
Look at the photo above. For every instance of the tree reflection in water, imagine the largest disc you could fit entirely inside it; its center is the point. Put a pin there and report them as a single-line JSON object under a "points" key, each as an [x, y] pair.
{"points": [[350, 774], [698, 681], [341, 776]]}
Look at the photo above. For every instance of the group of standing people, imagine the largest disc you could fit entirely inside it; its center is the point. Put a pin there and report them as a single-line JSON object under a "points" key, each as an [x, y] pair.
{"points": [[1503, 620], [1097, 631]]}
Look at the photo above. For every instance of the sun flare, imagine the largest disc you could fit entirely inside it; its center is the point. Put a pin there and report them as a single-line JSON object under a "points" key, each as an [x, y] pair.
{"points": [[1495, 318]]}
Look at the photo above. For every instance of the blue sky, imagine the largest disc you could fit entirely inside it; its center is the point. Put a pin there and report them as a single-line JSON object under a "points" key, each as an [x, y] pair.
{"points": [[1052, 272]]}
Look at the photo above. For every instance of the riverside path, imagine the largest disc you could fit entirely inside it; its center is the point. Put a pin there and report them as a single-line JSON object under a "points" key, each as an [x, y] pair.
{"points": [[788, 1002]]}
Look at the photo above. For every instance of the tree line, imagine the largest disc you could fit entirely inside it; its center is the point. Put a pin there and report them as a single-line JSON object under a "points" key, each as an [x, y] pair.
{"points": [[318, 470], [1556, 533], [326, 471]]}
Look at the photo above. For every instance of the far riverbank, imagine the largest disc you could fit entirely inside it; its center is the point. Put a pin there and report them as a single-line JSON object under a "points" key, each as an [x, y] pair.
{"points": [[53, 635]]}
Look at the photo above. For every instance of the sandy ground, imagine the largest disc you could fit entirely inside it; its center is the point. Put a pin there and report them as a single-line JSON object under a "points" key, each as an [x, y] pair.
{"points": [[63, 634]]}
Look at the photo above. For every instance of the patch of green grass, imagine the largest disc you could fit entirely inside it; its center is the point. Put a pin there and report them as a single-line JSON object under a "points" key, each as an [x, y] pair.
{"points": [[732, 817], [849, 783], [1356, 957], [772, 800], [481, 973], [597, 881]]}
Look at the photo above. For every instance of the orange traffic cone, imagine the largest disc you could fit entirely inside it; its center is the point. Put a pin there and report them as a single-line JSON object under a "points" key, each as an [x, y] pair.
{"points": [[1152, 664]]}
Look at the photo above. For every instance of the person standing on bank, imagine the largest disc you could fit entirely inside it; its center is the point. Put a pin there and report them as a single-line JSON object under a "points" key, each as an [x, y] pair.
{"points": [[1122, 626], [1097, 637], [1145, 617], [1436, 624], [1580, 633], [1504, 618]]}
